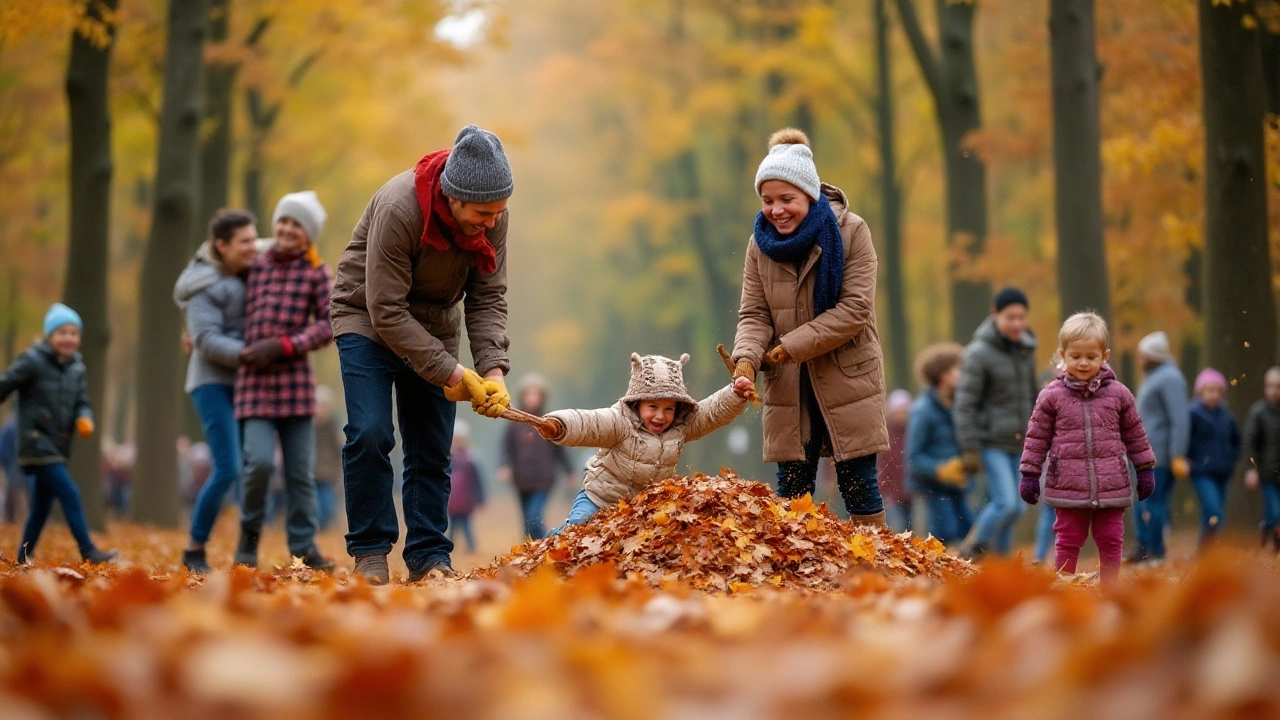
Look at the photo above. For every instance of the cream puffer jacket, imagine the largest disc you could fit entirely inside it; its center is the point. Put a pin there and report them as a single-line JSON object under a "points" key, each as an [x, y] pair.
{"points": [[631, 457]]}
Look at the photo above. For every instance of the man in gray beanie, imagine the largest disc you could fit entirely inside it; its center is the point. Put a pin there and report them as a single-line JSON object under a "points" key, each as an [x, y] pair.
{"points": [[432, 237]]}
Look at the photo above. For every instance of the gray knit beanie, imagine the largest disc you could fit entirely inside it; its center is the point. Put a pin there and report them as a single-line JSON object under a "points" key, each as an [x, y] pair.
{"points": [[790, 160], [305, 208], [477, 169]]}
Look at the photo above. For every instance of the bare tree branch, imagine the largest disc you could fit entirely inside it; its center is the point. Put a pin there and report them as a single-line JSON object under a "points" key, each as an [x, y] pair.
{"points": [[930, 66]]}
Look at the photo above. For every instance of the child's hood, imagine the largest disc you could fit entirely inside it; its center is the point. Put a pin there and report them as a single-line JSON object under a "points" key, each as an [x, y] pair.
{"points": [[199, 275], [654, 377]]}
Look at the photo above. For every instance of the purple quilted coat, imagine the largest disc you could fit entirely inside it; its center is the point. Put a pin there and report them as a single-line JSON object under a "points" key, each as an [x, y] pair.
{"points": [[1085, 431]]}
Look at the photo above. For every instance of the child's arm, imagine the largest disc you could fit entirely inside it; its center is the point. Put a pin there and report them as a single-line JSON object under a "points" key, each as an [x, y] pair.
{"points": [[920, 462], [714, 413], [1039, 435], [204, 325], [1134, 434], [602, 428], [18, 376]]}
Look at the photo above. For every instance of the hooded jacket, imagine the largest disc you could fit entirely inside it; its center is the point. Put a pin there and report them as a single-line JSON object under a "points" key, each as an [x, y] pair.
{"points": [[212, 303], [997, 391], [1085, 431], [631, 457], [52, 394]]}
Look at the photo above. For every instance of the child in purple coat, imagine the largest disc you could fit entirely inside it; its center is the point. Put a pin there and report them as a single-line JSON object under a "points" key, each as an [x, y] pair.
{"points": [[1084, 426]]}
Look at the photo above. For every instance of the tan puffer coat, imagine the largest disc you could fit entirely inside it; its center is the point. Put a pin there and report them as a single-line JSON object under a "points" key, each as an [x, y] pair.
{"points": [[631, 457], [841, 347]]}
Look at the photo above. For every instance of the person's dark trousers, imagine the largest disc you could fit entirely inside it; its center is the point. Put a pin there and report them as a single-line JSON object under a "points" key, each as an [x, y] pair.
{"points": [[855, 477], [298, 448], [214, 404], [369, 372], [326, 502], [532, 505], [1152, 515], [53, 482], [462, 524], [950, 517], [1211, 491]]}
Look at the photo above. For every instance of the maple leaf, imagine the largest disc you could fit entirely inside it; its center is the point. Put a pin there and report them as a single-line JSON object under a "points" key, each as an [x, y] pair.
{"points": [[862, 548]]}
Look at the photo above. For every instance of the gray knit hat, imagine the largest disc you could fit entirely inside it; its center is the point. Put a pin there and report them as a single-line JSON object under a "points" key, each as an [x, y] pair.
{"points": [[790, 160], [305, 208], [654, 377], [477, 169], [1156, 347]]}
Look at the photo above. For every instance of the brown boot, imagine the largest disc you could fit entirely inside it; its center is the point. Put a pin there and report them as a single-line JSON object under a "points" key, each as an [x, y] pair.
{"points": [[374, 569], [876, 519]]}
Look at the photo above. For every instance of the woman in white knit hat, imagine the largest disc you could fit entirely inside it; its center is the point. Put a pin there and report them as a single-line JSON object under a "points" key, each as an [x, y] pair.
{"points": [[808, 319]]}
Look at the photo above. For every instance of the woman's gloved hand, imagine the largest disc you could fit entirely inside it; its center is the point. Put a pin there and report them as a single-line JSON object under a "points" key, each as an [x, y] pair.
{"points": [[777, 356]]}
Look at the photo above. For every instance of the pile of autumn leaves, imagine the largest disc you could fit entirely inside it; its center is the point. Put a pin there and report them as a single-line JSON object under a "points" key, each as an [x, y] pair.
{"points": [[726, 534]]}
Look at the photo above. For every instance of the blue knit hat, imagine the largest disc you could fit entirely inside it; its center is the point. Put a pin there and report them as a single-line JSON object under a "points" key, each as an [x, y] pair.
{"points": [[60, 315]]}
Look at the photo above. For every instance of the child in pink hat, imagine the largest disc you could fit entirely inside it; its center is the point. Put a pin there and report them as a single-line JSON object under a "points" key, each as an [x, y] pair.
{"points": [[1213, 451]]}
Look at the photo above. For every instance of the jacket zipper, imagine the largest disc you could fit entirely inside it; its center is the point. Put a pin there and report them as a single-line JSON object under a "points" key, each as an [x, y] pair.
{"points": [[1088, 446]]}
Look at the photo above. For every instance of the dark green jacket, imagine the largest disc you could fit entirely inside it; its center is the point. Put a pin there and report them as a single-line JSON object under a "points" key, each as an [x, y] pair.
{"points": [[52, 394], [997, 391]]}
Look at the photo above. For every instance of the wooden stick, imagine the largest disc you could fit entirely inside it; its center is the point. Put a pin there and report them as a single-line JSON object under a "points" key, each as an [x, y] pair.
{"points": [[521, 416], [726, 357]]}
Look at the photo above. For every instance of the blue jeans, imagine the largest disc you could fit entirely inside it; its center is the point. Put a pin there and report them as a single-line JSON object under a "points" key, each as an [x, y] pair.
{"points": [[1270, 506], [1004, 506], [1044, 531], [298, 447], [215, 406], [53, 482], [949, 516], [462, 524], [1152, 515], [1211, 490], [532, 505], [326, 503], [369, 372], [581, 511]]}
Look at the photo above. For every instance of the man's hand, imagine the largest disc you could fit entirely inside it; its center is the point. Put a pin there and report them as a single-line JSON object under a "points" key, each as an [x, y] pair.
{"points": [[1181, 468], [187, 345], [496, 401], [1251, 479], [84, 426], [952, 473], [777, 356], [469, 389], [263, 353], [972, 461], [551, 429]]}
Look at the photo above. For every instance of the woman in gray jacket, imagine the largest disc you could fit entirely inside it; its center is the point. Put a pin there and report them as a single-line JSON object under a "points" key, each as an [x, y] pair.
{"points": [[210, 293]]}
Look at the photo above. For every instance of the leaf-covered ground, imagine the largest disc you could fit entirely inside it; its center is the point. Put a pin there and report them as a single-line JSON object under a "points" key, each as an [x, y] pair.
{"points": [[143, 640]]}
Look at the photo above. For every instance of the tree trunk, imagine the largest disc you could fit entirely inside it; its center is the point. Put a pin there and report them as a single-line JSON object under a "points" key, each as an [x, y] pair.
{"points": [[88, 246], [1239, 304], [159, 363], [1077, 160], [890, 230], [215, 148], [951, 74]]}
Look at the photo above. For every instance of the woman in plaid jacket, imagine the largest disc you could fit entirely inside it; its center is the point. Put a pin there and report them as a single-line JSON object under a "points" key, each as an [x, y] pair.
{"points": [[286, 317]]}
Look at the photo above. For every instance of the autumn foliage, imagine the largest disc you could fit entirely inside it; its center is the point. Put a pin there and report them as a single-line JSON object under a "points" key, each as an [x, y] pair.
{"points": [[730, 535]]}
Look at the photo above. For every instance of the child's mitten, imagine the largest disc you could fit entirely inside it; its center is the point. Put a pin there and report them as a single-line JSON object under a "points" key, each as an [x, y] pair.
{"points": [[84, 426], [1146, 482], [1029, 488]]}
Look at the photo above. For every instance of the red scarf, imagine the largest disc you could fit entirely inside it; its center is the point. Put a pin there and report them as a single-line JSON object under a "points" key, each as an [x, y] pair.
{"points": [[437, 218]]}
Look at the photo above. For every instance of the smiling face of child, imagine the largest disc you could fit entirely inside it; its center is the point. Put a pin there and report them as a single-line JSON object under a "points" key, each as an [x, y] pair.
{"points": [[657, 415], [1084, 358], [65, 340]]}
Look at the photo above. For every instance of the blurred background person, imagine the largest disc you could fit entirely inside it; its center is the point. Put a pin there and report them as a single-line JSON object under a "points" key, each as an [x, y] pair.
{"points": [[892, 464], [466, 489], [934, 466], [530, 462], [329, 440]]}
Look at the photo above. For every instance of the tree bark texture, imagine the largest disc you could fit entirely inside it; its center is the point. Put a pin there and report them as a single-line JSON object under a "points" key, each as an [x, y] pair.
{"points": [[890, 230]]}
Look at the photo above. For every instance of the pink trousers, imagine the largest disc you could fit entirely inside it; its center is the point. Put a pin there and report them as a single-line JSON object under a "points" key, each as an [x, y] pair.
{"points": [[1072, 529]]}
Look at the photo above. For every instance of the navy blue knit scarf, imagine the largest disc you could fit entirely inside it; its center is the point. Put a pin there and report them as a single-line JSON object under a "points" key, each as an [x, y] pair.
{"points": [[820, 228]]}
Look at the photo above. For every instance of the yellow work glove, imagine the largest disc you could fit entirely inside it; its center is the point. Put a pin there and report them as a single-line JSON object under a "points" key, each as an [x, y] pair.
{"points": [[84, 426], [777, 356], [496, 401], [469, 389], [1181, 468], [952, 472]]}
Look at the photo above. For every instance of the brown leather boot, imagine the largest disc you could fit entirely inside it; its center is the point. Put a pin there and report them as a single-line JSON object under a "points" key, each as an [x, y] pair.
{"points": [[374, 569], [876, 519]]}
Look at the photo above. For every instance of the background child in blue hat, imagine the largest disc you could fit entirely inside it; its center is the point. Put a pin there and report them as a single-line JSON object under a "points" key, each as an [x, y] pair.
{"points": [[53, 403]]}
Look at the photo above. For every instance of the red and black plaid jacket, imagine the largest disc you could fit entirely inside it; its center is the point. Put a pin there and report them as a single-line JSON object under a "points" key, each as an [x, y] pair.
{"points": [[285, 298]]}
